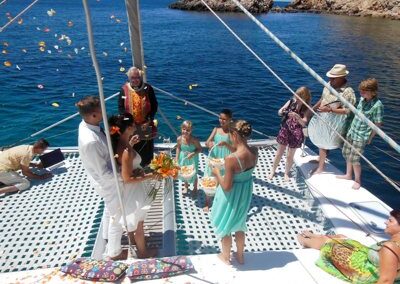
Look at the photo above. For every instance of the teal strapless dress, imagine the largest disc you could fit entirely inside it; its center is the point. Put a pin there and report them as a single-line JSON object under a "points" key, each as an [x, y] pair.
{"points": [[186, 149], [229, 210], [219, 152]]}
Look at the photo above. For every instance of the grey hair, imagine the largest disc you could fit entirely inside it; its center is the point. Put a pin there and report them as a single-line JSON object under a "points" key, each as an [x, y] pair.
{"points": [[133, 69]]}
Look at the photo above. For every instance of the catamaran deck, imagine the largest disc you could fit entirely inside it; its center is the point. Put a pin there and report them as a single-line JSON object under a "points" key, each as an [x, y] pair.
{"points": [[278, 211], [57, 220]]}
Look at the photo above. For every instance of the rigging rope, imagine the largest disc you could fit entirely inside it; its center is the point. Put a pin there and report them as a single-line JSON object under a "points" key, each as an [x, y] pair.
{"points": [[13, 19], [104, 112], [2, 2], [389, 180], [378, 131], [367, 234], [55, 124], [387, 153], [68, 118], [203, 109], [167, 122]]}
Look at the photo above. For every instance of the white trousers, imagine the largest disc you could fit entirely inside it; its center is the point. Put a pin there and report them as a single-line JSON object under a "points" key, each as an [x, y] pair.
{"points": [[13, 178], [112, 229]]}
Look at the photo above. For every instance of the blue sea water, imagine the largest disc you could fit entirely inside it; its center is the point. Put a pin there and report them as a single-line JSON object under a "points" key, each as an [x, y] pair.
{"points": [[183, 48]]}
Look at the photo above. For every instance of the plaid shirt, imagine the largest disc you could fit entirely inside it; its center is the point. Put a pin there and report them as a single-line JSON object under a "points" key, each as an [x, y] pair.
{"points": [[373, 110]]}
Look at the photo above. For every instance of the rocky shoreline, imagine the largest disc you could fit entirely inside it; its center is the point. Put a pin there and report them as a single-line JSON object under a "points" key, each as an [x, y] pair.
{"points": [[370, 8], [254, 6]]}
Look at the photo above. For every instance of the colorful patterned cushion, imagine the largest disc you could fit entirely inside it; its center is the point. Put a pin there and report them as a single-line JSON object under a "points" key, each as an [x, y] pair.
{"points": [[159, 268], [95, 270]]}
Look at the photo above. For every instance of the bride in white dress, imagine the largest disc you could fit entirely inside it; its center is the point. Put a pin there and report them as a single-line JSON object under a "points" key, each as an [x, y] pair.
{"points": [[134, 194]]}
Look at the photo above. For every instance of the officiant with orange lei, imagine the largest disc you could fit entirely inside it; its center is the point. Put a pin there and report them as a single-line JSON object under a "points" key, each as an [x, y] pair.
{"points": [[137, 98]]}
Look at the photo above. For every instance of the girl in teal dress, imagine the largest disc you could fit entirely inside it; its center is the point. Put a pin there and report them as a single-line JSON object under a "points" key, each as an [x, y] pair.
{"points": [[187, 153], [233, 195], [219, 144]]}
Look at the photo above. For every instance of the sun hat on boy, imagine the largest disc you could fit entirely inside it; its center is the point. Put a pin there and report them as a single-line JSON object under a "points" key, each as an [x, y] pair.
{"points": [[339, 70]]}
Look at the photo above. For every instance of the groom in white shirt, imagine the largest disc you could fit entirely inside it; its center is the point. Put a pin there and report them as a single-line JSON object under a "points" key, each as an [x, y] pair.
{"points": [[96, 160]]}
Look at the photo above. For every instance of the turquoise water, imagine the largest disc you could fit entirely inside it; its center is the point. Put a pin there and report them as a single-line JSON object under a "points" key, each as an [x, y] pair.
{"points": [[183, 48]]}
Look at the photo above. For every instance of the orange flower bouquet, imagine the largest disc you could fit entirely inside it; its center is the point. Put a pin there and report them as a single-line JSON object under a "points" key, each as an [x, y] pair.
{"points": [[163, 166]]}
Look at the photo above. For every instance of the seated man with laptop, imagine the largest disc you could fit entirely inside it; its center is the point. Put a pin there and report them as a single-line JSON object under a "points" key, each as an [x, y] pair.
{"points": [[19, 158], [52, 160]]}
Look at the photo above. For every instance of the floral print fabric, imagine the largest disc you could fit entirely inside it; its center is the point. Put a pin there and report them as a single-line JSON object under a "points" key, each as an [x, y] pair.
{"points": [[95, 270], [159, 268]]}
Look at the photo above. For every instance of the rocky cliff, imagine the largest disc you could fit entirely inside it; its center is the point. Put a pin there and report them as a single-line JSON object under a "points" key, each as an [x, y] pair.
{"points": [[254, 6], [375, 8]]}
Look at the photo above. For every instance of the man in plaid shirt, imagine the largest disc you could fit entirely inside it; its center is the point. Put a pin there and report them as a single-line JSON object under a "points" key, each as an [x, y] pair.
{"points": [[360, 134]]}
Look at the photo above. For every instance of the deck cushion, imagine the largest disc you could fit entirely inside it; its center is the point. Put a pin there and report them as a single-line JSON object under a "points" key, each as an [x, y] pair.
{"points": [[95, 270], [159, 268]]}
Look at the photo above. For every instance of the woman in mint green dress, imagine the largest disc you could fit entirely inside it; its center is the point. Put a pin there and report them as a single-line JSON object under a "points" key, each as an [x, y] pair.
{"points": [[233, 195], [187, 153], [219, 144], [354, 262]]}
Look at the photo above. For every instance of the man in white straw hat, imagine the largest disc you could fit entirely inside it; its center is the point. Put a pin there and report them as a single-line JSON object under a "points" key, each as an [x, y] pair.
{"points": [[332, 111]]}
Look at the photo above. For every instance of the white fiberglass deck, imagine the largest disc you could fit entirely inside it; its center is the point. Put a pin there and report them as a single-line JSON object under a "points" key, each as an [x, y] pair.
{"points": [[52, 222], [283, 267], [278, 211]]}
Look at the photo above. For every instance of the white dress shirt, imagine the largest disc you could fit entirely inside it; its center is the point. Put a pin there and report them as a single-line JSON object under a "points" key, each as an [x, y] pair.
{"points": [[96, 160]]}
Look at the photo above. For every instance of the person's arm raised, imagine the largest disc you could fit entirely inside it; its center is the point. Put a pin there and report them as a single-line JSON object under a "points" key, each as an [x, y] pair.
{"points": [[284, 107]]}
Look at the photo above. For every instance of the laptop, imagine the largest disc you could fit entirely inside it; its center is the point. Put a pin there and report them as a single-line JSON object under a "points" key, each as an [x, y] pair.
{"points": [[52, 160]]}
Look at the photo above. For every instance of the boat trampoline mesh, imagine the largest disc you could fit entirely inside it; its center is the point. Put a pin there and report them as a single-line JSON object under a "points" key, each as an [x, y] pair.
{"points": [[278, 211], [52, 222]]}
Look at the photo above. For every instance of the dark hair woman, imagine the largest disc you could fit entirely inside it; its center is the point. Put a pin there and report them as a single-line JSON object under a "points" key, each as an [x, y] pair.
{"points": [[379, 263], [135, 196]]}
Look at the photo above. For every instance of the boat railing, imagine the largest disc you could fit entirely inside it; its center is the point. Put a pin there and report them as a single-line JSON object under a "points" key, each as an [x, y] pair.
{"points": [[384, 136]]}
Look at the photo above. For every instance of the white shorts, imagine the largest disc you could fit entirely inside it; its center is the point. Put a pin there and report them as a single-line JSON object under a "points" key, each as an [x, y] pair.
{"points": [[12, 178]]}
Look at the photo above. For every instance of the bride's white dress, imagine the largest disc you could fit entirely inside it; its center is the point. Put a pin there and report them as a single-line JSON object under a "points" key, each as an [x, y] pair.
{"points": [[136, 200]]}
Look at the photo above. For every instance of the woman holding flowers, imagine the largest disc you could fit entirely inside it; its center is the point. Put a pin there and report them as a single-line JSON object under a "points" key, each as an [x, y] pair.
{"points": [[135, 197], [187, 154], [233, 195], [219, 144]]}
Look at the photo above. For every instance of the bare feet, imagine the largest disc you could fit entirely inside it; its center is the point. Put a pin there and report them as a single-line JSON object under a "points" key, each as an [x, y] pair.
{"points": [[271, 175], [356, 185], [206, 209], [122, 256], [239, 257], [227, 261], [150, 252], [316, 171], [343, 177], [301, 239], [286, 177], [307, 234], [185, 190]]}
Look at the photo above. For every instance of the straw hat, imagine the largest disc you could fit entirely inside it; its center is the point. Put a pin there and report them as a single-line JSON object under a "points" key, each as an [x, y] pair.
{"points": [[339, 70]]}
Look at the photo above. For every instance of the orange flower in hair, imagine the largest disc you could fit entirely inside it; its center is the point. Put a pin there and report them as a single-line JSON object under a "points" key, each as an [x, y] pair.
{"points": [[114, 130]]}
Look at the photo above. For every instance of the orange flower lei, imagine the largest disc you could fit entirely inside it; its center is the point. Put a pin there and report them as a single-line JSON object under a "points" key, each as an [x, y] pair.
{"points": [[114, 130]]}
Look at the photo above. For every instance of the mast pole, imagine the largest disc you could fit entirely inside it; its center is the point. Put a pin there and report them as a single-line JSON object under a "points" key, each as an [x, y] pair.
{"points": [[135, 34]]}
